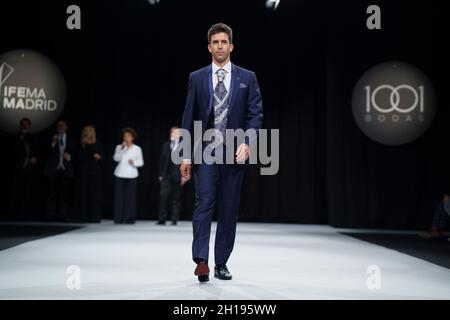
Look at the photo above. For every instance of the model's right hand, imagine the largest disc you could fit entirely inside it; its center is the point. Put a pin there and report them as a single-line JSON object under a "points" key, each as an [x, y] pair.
{"points": [[185, 169]]}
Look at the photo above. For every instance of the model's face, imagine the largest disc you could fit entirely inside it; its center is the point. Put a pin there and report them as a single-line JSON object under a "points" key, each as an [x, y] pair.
{"points": [[220, 48], [128, 138]]}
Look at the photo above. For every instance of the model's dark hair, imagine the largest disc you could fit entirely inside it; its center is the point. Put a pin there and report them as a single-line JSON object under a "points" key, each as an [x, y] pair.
{"points": [[218, 28], [128, 130]]}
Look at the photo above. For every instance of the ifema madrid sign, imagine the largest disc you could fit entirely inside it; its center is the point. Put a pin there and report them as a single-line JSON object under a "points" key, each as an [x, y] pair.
{"points": [[31, 86]]}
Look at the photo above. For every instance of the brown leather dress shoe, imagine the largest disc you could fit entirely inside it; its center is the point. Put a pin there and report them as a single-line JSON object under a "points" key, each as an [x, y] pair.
{"points": [[202, 271]]}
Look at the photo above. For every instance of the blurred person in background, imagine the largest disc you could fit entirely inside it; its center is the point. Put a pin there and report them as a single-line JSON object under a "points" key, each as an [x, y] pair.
{"points": [[129, 158], [170, 180], [24, 159], [440, 219], [88, 190], [59, 170]]}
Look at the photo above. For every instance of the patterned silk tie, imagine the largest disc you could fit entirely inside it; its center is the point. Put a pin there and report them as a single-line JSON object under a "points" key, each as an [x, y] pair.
{"points": [[220, 107]]}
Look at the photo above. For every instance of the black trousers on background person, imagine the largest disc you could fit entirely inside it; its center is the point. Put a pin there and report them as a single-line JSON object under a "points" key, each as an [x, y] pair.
{"points": [[88, 198], [59, 196], [170, 192], [22, 200], [125, 200]]}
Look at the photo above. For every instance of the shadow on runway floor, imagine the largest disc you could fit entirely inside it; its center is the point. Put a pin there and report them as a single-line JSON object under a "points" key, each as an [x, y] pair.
{"points": [[436, 251], [12, 235]]}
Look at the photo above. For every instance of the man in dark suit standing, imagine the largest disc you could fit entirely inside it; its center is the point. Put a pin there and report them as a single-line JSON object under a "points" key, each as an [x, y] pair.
{"points": [[24, 161], [222, 96], [59, 171], [170, 180]]}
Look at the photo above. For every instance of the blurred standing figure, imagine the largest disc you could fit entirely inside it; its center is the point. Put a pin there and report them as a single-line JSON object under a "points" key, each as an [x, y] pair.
{"points": [[88, 193], [171, 181], [24, 159], [440, 220], [59, 171], [129, 158]]}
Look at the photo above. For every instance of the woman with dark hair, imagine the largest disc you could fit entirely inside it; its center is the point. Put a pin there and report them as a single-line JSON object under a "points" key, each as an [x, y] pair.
{"points": [[128, 157], [88, 194]]}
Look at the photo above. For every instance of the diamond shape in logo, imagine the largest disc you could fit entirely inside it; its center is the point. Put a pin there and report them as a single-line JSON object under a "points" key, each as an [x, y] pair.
{"points": [[5, 71]]}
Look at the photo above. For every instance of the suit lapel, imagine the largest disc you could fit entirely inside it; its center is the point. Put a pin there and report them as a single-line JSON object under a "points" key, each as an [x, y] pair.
{"points": [[234, 86], [208, 86]]}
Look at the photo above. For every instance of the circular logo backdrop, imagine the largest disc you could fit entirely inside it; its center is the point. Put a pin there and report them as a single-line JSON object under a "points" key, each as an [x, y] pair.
{"points": [[31, 86], [393, 103]]}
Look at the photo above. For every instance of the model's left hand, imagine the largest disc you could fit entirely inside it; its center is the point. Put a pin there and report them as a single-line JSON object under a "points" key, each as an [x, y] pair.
{"points": [[131, 162], [242, 152]]}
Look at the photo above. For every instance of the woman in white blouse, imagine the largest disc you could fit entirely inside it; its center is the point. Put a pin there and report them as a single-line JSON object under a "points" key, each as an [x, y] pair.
{"points": [[129, 158]]}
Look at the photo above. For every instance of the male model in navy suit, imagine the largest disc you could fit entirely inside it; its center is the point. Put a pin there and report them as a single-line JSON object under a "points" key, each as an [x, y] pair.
{"points": [[222, 96]]}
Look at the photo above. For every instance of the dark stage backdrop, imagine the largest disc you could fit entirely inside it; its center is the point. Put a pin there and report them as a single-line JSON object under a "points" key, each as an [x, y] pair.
{"points": [[129, 65]]}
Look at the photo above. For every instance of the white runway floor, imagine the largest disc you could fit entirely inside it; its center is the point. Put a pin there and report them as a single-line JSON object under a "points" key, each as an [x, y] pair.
{"points": [[270, 261]]}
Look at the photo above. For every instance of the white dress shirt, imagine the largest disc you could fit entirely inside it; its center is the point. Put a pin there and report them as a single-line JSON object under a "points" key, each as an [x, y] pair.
{"points": [[61, 141], [62, 144], [173, 145], [124, 169], [227, 80]]}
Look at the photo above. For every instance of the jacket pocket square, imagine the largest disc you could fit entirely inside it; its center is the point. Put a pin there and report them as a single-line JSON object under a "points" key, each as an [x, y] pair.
{"points": [[242, 85]]}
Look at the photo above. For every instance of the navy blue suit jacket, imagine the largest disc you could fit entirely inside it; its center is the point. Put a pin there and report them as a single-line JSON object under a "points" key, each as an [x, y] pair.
{"points": [[245, 102]]}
